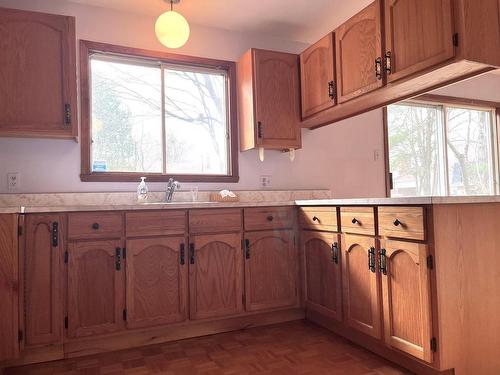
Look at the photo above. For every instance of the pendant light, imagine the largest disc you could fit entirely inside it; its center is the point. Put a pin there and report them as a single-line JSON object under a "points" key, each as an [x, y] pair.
{"points": [[171, 27]]}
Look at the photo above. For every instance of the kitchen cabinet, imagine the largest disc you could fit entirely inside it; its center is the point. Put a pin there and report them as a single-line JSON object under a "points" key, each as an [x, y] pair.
{"points": [[95, 288], [271, 270], [43, 265], [361, 284], [215, 275], [406, 297], [323, 273], [157, 288], [359, 53], [9, 287], [38, 75], [418, 35], [317, 76], [269, 100]]}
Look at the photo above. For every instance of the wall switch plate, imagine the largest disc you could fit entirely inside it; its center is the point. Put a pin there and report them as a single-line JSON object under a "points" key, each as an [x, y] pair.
{"points": [[13, 181], [265, 181], [376, 155]]}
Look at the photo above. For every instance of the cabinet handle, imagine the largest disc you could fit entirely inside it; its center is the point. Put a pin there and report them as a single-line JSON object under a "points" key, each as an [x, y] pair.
{"points": [[55, 234], [191, 253], [335, 253], [383, 262], [118, 259], [371, 259], [95, 226], [182, 254], [397, 223], [355, 221], [247, 249], [270, 218], [388, 63], [260, 130], [378, 68], [315, 218], [331, 90]]}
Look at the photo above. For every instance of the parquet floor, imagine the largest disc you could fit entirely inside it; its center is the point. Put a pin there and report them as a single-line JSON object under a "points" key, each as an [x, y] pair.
{"points": [[288, 349]]}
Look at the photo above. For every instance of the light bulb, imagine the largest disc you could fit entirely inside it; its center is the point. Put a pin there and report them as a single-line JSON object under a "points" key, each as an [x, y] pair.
{"points": [[172, 29]]}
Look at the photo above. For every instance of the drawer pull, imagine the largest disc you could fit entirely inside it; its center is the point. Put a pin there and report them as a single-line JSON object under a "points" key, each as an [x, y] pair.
{"points": [[371, 259], [355, 221], [95, 226], [315, 218], [270, 218], [397, 223]]}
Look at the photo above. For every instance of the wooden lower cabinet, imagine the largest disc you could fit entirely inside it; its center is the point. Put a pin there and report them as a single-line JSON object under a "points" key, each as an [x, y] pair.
{"points": [[270, 270], [157, 286], [323, 273], [95, 288], [406, 297], [215, 275], [361, 284]]}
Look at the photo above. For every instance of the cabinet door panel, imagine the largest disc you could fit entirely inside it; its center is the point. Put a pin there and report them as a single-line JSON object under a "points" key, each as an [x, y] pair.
{"points": [[323, 275], [418, 35], [270, 270], [317, 68], [358, 46], [215, 275], [156, 281], [95, 288], [42, 280], [406, 292], [361, 286]]}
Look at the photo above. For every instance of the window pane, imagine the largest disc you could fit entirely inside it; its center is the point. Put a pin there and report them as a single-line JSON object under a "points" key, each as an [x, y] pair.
{"points": [[414, 154], [469, 138], [196, 122], [126, 117]]}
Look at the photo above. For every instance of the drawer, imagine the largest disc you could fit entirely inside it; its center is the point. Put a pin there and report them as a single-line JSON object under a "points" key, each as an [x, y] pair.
{"points": [[402, 222], [155, 223], [215, 221], [359, 220], [319, 218], [262, 218], [95, 225]]}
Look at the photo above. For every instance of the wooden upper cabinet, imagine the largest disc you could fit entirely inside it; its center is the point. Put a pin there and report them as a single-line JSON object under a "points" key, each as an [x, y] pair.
{"points": [[269, 100], [317, 77], [215, 275], [407, 297], [43, 255], [270, 270], [359, 53], [95, 288], [323, 273], [361, 285], [418, 35], [156, 281], [38, 75]]}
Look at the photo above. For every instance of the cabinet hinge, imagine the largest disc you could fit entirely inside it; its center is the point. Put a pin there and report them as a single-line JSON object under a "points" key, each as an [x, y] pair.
{"points": [[243, 301], [66, 322], [125, 314], [434, 344], [260, 130], [124, 253], [55, 234], [430, 262], [20, 335], [19, 231], [66, 256], [455, 39], [67, 114]]}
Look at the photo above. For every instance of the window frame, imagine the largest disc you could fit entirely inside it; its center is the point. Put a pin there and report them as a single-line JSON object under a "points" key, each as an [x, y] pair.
{"points": [[88, 48], [449, 102]]}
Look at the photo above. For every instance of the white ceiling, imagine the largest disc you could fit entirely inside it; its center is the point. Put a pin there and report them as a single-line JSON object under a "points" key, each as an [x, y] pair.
{"points": [[299, 20]]}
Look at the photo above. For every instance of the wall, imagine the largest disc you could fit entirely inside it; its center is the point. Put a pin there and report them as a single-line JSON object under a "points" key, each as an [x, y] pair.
{"points": [[339, 157]]}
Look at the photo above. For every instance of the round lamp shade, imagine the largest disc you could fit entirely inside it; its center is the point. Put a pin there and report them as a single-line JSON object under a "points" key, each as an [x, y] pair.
{"points": [[172, 29]]}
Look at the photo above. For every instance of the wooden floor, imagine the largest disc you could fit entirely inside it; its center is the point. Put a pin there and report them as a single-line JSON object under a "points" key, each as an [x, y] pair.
{"points": [[289, 348]]}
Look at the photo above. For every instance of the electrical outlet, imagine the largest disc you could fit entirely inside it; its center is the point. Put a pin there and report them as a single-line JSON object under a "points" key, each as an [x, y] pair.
{"points": [[13, 181], [376, 155], [265, 181]]}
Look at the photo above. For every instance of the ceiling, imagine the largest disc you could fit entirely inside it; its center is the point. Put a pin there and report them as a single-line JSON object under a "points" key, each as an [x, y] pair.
{"points": [[298, 20]]}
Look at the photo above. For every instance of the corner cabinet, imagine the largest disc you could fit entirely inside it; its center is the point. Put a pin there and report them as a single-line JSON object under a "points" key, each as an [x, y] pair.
{"points": [[269, 100], [38, 75]]}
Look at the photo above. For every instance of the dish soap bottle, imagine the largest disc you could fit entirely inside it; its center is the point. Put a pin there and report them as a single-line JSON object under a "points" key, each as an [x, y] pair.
{"points": [[142, 190]]}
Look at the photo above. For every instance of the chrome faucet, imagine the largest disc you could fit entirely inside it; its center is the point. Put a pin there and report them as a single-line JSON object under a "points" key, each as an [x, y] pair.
{"points": [[172, 185]]}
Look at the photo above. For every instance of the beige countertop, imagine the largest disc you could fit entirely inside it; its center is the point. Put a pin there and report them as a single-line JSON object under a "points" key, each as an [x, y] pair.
{"points": [[399, 201]]}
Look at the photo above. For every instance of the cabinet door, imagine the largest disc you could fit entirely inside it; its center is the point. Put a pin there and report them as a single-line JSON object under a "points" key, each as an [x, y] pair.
{"points": [[323, 273], [277, 100], [418, 35], [95, 288], [359, 53], [215, 275], [270, 270], [317, 77], [156, 281], [38, 75], [9, 287], [43, 279], [361, 285], [407, 300]]}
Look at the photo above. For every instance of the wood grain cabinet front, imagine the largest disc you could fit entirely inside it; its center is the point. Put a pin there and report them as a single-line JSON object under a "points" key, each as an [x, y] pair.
{"points": [[402, 222], [95, 225], [265, 218], [358, 220], [319, 218]]}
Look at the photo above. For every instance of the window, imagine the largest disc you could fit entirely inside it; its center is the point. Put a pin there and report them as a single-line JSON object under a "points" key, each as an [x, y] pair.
{"points": [[442, 148], [156, 115]]}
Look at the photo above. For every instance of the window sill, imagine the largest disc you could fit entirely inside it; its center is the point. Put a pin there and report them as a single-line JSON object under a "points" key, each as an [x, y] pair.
{"points": [[153, 177]]}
